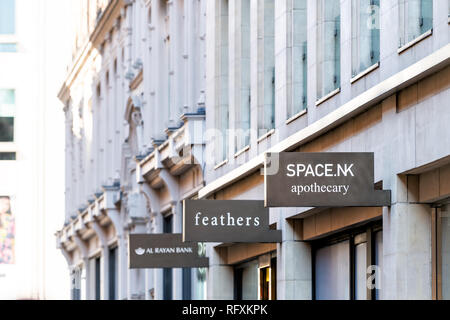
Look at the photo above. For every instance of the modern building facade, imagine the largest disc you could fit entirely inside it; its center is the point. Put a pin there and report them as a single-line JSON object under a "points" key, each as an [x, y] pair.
{"points": [[33, 54], [174, 100]]}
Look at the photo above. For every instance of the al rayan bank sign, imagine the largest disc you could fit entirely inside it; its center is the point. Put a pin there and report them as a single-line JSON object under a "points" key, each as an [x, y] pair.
{"points": [[165, 250], [298, 179]]}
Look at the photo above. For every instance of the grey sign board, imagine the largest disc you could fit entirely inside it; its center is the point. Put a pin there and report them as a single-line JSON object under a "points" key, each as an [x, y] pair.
{"points": [[229, 221], [297, 179], [164, 251]]}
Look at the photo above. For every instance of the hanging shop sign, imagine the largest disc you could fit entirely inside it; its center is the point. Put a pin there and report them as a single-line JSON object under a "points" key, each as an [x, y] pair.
{"points": [[297, 179], [164, 251], [230, 221]]}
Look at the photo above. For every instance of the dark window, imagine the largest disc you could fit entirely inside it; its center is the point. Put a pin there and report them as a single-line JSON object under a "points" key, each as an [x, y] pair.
{"points": [[268, 281], [6, 129], [167, 227], [112, 273], [187, 284], [7, 112], [167, 272], [97, 279], [167, 278], [273, 265], [7, 156], [264, 283]]}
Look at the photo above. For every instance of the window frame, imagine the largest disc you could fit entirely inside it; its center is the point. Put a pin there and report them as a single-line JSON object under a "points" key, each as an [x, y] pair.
{"points": [[322, 94], [403, 18], [356, 23], [264, 131], [292, 112]]}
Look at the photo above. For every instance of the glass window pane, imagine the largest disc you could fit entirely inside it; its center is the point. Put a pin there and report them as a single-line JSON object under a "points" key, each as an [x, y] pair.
{"points": [[7, 17], [7, 156], [332, 272], [360, 271], [365, 34], [246, 281], [222, 105], [426, 15], [243, 109], [379, 263], [250, 281], [328, 47], [8, 47], [113, 274], [187, 283], [201, 284], [416, 18], [6, 129], [97, 279], [299, 57], [7, 102], [266, 98], [84, 284]]}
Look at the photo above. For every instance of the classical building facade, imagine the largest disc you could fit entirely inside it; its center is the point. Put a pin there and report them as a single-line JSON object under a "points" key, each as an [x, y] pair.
{"points": [[174, 100], [135, 115]]}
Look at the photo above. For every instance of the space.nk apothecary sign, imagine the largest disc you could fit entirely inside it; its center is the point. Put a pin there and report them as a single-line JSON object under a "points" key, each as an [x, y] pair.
{"points": [[297, 179]]}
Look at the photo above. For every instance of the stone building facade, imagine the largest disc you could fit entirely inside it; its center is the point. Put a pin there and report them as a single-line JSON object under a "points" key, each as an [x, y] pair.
{"points": [[174, 100]]}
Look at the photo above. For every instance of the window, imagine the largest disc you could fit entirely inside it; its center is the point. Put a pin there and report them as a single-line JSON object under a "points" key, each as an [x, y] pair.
{"points": [[113, 274], [7, 232], [256, 279], [365, 35], [328, 47], [7, 113], [167, 272], [332, 272], [441, 253], [187, 284], [345, 264], [7, 17], [266, 67], [76, 284], [246, 281], [222, 103], [7, 156], [7, 26], [168, 48], [268, 281], [416, 18], [243, 105], [8, 47], [378, 262], [299, 58], [97, 279]]}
